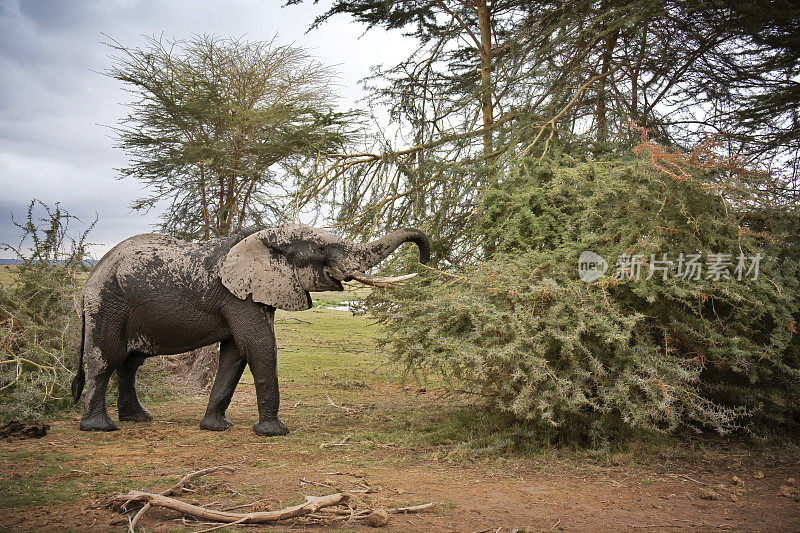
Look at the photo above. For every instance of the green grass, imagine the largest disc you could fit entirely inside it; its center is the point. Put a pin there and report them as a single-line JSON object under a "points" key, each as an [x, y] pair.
{"points": [[41, 477], [6, 274], [321, 349]]}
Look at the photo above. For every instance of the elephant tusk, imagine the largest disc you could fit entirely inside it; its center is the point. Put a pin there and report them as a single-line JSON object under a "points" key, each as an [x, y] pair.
{"points": [[380, 281]]}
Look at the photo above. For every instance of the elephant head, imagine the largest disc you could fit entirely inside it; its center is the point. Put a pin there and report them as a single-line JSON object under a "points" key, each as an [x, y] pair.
{"points": [[280, 266]]}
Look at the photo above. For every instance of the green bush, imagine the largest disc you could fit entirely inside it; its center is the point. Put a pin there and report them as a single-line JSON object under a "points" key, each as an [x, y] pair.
{"points": [[39, 327], [526, 334]]}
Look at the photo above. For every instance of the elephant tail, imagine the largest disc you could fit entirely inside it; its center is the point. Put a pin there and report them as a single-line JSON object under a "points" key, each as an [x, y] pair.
{"points": [[80, 376]]}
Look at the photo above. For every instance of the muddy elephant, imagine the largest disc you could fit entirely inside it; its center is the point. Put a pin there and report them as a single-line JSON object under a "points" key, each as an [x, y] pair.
{"points": [[158, 295]]}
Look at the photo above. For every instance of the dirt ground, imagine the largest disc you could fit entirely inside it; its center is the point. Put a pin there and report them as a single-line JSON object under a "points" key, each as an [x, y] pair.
{"points": [[354, 427]]}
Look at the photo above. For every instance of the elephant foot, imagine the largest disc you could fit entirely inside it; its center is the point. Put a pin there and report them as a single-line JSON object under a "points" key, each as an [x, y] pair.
{"points": [[98, 423], [215, 423], [136, 414], [271, 428]]}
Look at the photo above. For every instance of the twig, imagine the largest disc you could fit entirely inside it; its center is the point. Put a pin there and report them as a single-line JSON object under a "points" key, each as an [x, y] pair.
{"points": [[178, 487], [411, 509], [317, 483], [330, 444], [315, 507], [330, 402], [222, 525], [136, 517]]}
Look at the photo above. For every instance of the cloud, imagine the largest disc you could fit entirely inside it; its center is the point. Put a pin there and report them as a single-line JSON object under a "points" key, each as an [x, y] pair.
{"points": [[56, 106]]}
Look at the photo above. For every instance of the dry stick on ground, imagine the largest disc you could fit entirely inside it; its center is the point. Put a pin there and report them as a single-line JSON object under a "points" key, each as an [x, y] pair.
{"points": [[311, 505], [177, 488], [392, 510], [332, 404], [349, 515], [310, 508], [342, 442]]}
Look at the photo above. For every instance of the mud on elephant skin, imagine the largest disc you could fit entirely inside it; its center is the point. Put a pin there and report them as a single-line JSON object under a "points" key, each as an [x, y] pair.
{"points": [[157, 295]]}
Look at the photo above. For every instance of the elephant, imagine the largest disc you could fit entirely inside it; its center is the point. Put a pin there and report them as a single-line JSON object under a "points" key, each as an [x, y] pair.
{"points": [[154, 294]]}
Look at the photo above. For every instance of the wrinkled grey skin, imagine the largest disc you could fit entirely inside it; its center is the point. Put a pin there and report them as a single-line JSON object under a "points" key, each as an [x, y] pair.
{"points": [[157, 295]]}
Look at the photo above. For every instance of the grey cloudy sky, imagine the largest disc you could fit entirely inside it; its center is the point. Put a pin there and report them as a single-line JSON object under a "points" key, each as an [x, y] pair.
{"points": [[54, 105]]}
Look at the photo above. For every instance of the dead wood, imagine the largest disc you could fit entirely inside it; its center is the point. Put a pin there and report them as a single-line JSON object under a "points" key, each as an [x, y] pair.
{"points": [[136, 517], [311, 505], [392, 510], [314, 508]]}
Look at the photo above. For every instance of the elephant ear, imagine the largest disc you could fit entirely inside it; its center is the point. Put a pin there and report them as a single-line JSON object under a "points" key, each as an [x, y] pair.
{"points": [[257, 265]]}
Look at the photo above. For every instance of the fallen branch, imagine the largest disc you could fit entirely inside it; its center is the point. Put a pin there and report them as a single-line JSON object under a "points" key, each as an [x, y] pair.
{"points": [[177, 488], [410, 509], [314, 508], [311, 505]]}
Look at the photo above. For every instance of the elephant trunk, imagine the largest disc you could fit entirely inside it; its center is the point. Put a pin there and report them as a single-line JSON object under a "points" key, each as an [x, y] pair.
{"points": [[376, 251]]}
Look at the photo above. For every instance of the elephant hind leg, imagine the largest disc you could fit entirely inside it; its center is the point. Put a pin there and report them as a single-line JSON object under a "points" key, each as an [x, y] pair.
{"points": [[95, 414], [99, 367], [128, 404]]}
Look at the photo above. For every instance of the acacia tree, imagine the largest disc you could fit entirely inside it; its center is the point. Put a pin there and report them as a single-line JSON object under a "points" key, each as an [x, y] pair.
{"points": [[487, 78], [512, 77], [213, 122]]}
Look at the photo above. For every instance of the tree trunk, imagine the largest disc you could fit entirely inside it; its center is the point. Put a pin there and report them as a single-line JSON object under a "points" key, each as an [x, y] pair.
{"points": [[602, 91], [205, 362], [197, 368], [487, 107], [206, 224]]}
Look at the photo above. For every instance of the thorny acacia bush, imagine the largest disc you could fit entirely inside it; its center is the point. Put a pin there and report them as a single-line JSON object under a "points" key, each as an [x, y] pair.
{"points": [[589, 359], [39, 328]]}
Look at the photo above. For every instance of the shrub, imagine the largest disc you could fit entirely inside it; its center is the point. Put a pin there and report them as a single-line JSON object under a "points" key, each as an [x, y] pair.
{"points": [[38, 325], [523, 332]]}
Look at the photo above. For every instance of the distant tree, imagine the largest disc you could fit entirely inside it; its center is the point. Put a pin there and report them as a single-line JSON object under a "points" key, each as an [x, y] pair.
{"points": [[212, 122]]}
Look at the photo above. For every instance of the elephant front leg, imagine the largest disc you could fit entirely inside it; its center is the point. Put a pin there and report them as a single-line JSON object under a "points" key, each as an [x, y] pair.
{"points": [[229, 372], [265, 377], [252, 327]]}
